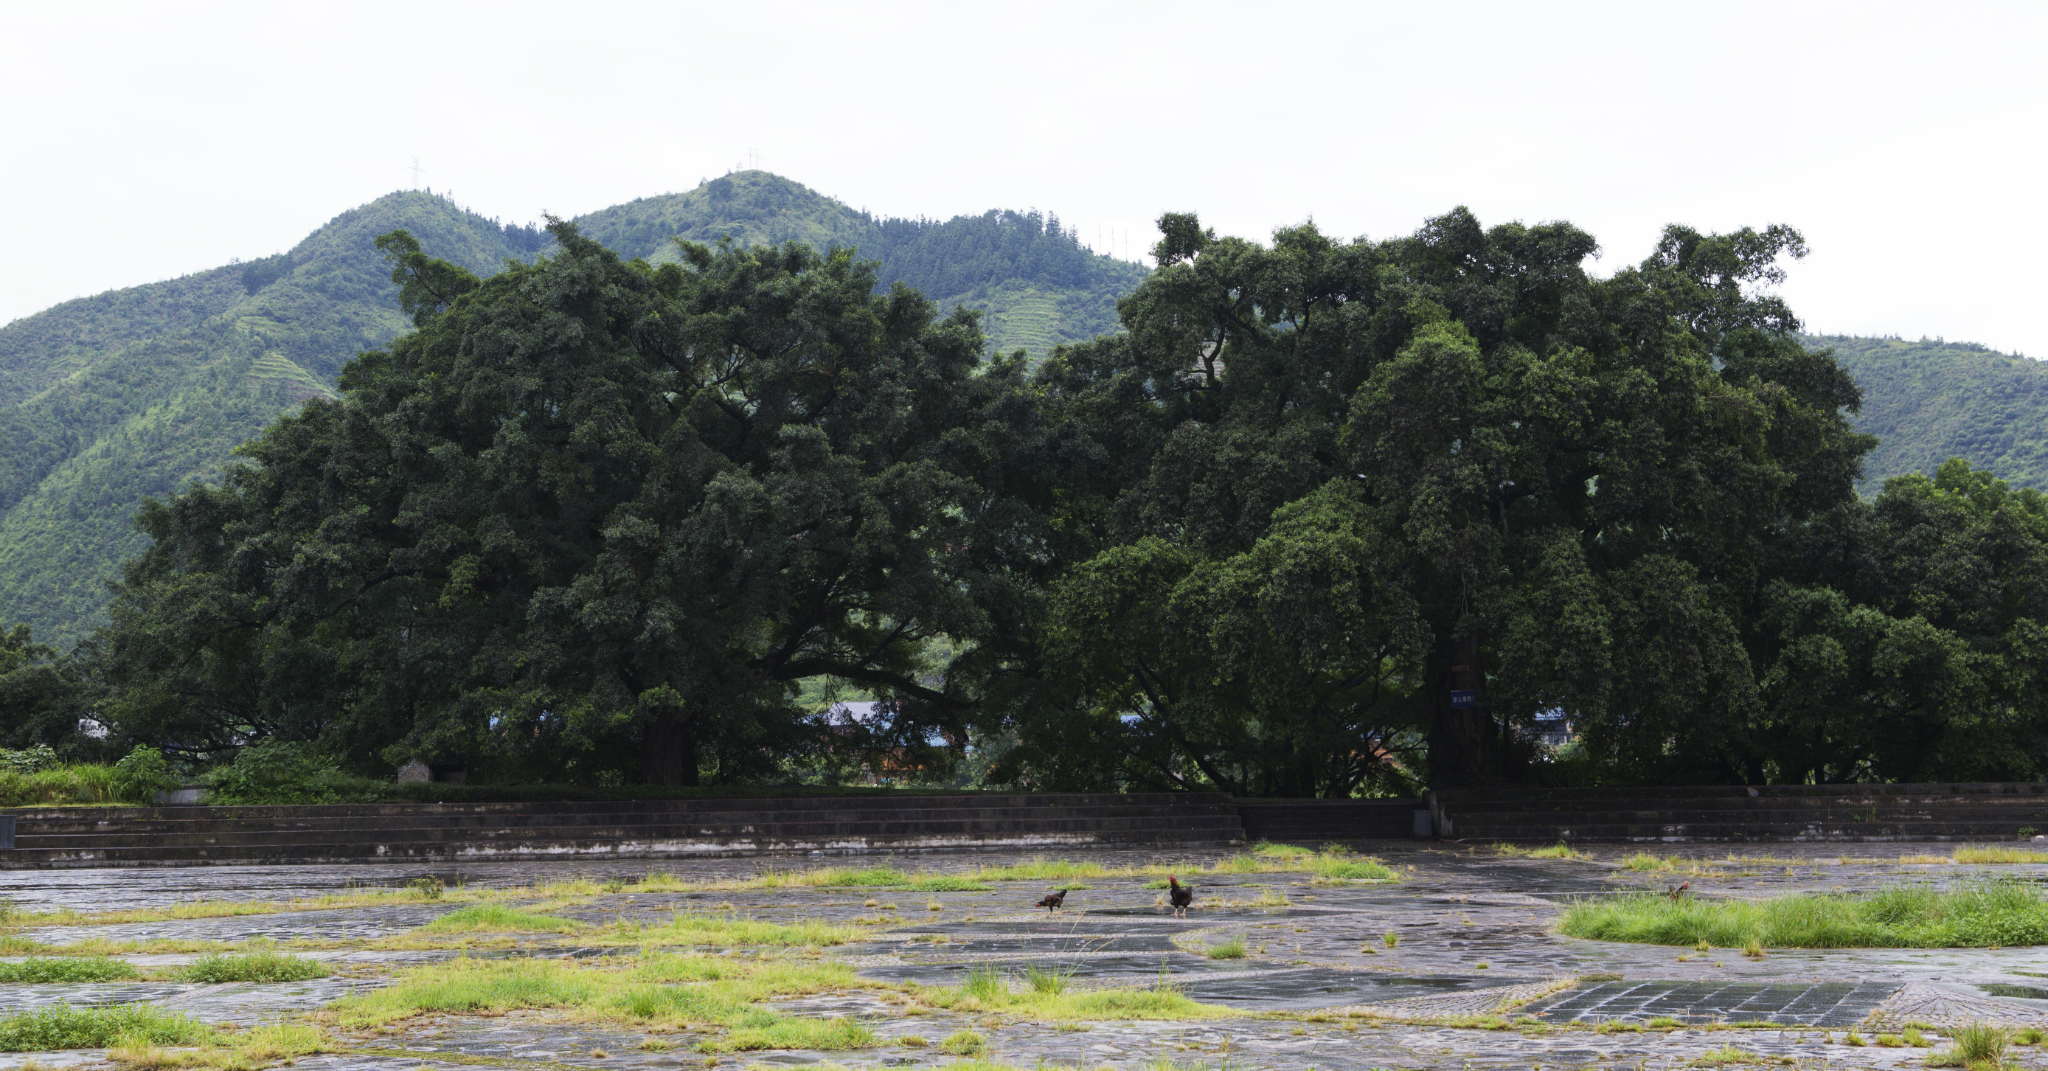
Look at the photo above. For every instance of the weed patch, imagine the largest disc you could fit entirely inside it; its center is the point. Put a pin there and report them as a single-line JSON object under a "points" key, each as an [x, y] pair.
{"points": [[495, 918], [62, 1026], [725, 931], [1999, 855], [1906, 916], [262, 966], [80, 969], [987, 991]]}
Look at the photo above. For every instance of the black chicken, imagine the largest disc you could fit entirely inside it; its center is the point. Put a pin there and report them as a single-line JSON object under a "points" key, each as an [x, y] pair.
{"points": [[1180, 896], [1052, 901]]}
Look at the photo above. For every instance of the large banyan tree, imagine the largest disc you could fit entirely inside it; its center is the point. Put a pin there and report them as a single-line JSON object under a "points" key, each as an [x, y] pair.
{"points": [[1323, 518], [596, 515]]}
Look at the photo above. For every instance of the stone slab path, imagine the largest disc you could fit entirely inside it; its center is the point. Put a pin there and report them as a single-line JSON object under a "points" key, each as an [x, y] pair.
{"points": [[1455, 966]]}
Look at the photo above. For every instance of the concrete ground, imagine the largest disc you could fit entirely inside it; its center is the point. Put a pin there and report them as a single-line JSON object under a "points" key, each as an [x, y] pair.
{"points": [[1321, 985]]}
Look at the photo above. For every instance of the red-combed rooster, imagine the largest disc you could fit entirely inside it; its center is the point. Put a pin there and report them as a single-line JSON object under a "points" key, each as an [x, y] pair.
{"points": [[1052, 901], [1180, 896]]}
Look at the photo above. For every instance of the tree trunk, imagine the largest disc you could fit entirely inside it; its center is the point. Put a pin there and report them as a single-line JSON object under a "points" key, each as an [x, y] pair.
{"points": [[669, 755], [1464, 742]]}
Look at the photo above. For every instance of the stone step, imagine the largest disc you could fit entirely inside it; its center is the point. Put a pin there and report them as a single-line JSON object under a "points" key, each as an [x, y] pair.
{"points": [[1519, 795], [69, 824], [652, 848], [1220, 825], [1742, 831], [657, 828]]}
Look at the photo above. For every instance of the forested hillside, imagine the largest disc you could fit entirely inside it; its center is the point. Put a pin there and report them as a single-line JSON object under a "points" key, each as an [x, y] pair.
{"points": [[1037, 286], [110, 399], [1930, 401]]}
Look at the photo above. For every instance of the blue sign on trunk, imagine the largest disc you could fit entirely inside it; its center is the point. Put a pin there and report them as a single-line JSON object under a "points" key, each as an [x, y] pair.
{"points": [[1463, 699]]}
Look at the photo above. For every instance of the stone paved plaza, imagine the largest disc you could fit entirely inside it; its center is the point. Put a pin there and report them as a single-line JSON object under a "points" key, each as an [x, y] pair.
{"points": [[1473, 975]]}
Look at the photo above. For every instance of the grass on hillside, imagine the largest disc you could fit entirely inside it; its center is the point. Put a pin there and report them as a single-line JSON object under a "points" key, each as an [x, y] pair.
{"points": [[1987, 914]]}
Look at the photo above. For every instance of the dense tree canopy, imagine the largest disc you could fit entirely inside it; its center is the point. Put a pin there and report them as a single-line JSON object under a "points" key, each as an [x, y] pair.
{"points": [[1324, 518], [591, 513]]}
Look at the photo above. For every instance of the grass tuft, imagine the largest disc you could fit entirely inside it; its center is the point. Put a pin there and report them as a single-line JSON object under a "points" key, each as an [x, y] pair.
{"points": [[1231, 949], [1984, 914], [1977, 854], [725, 931], [262, 966], [495, 918]]}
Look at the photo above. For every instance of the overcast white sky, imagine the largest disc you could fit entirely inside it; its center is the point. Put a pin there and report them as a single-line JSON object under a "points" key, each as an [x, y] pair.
{"points": [[143, 141]]}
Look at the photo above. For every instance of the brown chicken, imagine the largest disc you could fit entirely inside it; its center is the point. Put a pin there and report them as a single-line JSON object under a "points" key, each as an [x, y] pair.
{"points": [[1053, 901]]}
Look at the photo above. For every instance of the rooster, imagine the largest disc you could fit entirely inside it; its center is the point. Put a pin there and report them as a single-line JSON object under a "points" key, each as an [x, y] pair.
{"points": [[1052, 901], [1180, 896], [1677, 892]]}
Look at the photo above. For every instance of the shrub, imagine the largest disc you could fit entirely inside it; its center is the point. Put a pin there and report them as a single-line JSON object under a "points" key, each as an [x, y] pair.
{"points": [[141, 775], [287, 772], [28, 760]]}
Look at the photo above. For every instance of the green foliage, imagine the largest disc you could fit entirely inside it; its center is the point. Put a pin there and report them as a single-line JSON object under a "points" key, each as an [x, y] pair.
{"points": [[288, 772], [58, 785], [477, 918], [1028, 273], [108, 400], [260, 966], [1330, 483], [62, 1026], [29, 760], [1929, 401], [143, 773], [701, 446], [1996, 913], [34, 971]]}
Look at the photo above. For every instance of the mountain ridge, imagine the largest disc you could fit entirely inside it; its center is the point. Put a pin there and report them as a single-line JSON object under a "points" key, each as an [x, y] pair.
{"points": [[108, 399]]}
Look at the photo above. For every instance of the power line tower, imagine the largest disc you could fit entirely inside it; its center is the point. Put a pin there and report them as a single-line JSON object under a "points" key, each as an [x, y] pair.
{"points": [[753, 160], [417, 171]]}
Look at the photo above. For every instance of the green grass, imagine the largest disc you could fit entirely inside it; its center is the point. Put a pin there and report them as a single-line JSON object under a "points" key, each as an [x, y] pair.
{"points": [[1999, 855], [65, 1027], [833, 877], [495, 918], [988, 991], [1984, 914], [261, 966], [81, 969], [1231, 949], [1281, 851], [725, 931], [646, 990], [1334, 869]]}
